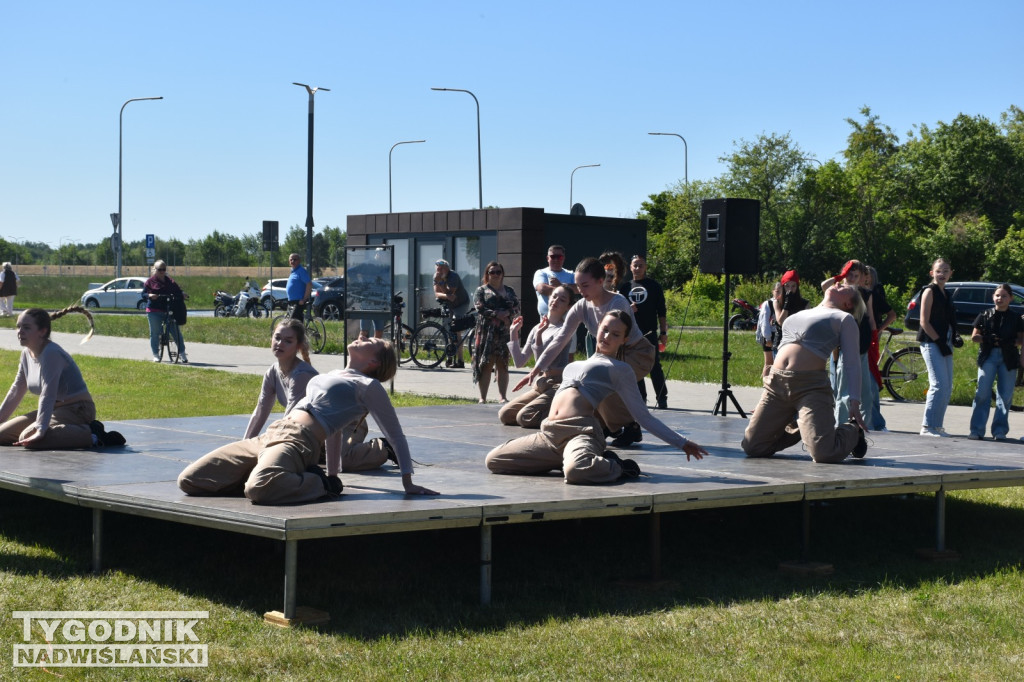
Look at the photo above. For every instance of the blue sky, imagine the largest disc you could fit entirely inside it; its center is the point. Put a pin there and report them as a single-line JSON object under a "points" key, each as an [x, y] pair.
{"points": [[560, 84]]}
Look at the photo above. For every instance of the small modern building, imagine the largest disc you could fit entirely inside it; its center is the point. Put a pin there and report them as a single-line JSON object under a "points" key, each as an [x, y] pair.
{"points": [[517, 238]]}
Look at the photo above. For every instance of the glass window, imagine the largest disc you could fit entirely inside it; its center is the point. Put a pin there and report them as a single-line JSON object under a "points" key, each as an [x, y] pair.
{"points": [[471, 255]]}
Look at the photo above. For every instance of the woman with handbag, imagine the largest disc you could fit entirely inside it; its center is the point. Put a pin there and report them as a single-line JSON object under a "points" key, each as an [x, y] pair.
{"points": [[1000, 333], [497, 306]]}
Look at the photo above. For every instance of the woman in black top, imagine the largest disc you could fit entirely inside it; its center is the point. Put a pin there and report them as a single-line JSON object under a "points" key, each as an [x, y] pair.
{"points": [[1000, 332], [938, 325]]}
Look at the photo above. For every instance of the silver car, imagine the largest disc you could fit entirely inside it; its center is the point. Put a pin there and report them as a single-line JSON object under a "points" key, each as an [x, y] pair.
{"points": [[123, 292]]}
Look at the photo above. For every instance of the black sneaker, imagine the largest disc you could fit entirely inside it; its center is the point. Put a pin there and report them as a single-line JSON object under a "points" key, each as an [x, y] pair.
{"points": [[392, 455], [630, 434], [861, 448], [332, 484], [114, 438], [630, 469]]}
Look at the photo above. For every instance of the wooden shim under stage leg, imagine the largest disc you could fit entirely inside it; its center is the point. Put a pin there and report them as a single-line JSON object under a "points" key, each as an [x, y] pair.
{"points": [[304, 615]]}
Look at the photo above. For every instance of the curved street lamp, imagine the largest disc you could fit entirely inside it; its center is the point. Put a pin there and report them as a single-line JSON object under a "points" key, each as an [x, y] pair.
{"points": [[686, 155], [589, 165], [479, 165], [389, 166], [119, 226], [309, 176]]}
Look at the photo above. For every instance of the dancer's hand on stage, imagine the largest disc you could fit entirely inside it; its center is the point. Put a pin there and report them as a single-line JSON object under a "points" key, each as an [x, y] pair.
{"points": [[855, 414], [30, 434], [413, 489], [694, 450], [525, 381]]}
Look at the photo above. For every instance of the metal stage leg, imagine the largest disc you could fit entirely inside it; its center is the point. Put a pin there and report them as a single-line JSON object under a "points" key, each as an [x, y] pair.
{"points": [[805, 540], [291, 564], [655, 539], [940, 520], [97, 540], [485, 565]]}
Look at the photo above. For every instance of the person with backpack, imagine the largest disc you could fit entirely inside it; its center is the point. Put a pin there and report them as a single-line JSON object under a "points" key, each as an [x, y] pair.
{"points": [[768, 327]]}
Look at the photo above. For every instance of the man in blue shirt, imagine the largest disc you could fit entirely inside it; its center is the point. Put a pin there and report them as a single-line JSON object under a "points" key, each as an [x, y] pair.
{"points": [[299, 286]]}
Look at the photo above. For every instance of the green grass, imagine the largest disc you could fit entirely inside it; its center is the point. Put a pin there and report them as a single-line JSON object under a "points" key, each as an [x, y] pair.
{"points": [[570, 601]]}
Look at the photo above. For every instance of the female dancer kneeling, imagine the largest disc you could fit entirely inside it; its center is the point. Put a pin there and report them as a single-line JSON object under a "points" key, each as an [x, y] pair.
{"points": [[285, 381], [637, 351], [530, 409], [280, 467], [571, 438], [66, 416]]}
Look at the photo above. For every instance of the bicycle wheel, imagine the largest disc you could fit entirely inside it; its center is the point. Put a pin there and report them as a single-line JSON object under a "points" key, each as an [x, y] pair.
{"points": [[402, 342], [906, 376], [468, 339], [429, 344], [316, 334], [166, 343]]}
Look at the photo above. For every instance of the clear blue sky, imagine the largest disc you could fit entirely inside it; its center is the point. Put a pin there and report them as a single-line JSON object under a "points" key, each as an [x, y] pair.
{"points": [[560, 84]]}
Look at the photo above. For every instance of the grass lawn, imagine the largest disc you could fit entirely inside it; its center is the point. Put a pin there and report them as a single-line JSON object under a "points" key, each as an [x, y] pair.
{"points": [[569, 598]]}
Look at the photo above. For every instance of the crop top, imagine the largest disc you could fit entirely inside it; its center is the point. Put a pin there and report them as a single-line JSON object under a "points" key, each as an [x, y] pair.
{"points": [[534, 348], [599, 376], [820, 330], [53, 376], [339, 400], [590, 315], [286, 389]]}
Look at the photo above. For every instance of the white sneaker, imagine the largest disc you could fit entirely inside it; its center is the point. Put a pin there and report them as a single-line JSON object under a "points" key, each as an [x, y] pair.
{"points": [[928, 431], [183, 358], [942, 432], [156, 358]]}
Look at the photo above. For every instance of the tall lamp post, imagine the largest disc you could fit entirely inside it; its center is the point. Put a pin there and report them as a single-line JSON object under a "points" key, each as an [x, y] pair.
{"points": [[119, 222], [309, 176], [479, 165], [589, 165], [60, 252], [686, 155], [389, 166]]}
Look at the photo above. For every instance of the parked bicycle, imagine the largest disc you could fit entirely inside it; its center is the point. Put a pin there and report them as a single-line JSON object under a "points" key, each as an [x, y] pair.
{"points": [[400, 334], [434, 341], [316, 333], [905, 374]]}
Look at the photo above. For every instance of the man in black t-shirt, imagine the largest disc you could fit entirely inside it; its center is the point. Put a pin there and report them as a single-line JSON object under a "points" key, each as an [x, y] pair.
{"points": [[648, 299]]}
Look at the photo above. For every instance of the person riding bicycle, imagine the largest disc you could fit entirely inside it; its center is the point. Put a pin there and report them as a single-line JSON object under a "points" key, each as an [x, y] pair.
{"points": [[449, 290], [161, 291]]}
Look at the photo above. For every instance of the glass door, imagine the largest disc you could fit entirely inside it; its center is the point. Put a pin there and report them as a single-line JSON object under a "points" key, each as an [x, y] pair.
{"points": [[428, 252]]}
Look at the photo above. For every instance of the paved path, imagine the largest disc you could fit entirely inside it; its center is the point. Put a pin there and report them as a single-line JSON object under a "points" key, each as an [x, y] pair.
{"points": [[693, 397]]}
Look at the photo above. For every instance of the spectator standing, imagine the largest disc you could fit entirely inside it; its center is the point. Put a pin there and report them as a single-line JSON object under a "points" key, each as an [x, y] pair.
{"points": [[497, 305], [448, 288], [1000, 333], [647, 300], [299, 287], [884, 316], [938, 326], [159, 289], [550, 278], [8, 288]]}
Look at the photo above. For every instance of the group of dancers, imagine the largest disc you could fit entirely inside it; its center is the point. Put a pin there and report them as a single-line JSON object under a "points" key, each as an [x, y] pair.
{"points": [[574, 406]]}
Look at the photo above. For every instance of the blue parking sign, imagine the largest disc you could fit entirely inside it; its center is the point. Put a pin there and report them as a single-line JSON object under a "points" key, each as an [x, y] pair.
{"points": [[150, 241]]}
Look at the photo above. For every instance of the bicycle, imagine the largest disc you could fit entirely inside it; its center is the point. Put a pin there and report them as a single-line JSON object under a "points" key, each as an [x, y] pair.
{"points": [[434, 341], [904, 373], [400, 334], [168, 330], [316, 333]]}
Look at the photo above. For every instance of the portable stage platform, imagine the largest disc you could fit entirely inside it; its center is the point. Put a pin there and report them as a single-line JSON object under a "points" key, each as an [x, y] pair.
{"points": [[140, 479]]}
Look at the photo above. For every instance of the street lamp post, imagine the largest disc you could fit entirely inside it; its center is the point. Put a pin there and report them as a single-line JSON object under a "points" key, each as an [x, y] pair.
{"points": [[60, 253], [589, 165], [479, 164], [389, 166], [686, 155], [119, 227], [309, 175]]}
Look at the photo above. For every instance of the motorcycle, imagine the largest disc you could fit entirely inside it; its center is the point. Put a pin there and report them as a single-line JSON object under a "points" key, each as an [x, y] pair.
{"points": [[245, 304], [745, 317]]}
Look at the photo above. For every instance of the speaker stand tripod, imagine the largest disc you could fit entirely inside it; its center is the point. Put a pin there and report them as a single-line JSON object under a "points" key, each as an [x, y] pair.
{"points": [[725, 394]]}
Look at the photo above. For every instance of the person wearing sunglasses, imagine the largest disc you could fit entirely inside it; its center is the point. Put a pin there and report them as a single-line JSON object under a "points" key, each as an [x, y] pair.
{"points": [[497, 306], [160, 290], [550, 278]]}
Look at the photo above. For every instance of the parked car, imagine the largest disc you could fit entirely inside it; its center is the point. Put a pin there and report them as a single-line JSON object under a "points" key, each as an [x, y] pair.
{"points": [[274, 290], [969, 299], [329, 301], [123, 292]]}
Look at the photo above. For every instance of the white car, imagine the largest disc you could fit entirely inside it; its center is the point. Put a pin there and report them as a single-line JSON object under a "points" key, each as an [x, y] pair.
{"points": [[123, 292], [274, 290]]}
